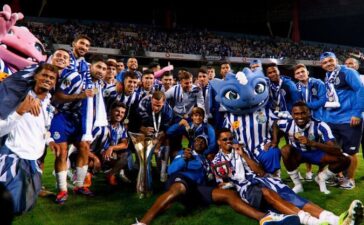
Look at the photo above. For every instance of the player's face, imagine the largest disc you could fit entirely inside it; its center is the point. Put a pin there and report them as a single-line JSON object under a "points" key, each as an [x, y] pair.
{"points": [[211, 73], [148, 81], [301, 74], [301, 115], [110, 73], [120, 66], [225, 141], [61, 59], [351, 63], [199, 145], [45, 80], [329, 64], [224, 69], [132, 64], [118, 114], [167, 82], [186, 84], [197, 118], [130, 85], [81, 47], [254, 67], [273, 74], [203, 79], [157, 105], [98, 70]]}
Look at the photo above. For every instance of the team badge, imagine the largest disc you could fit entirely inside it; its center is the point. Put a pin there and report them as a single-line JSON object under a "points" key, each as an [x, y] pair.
{"points": [[337, 81], [311, 137], [261, 117], [297, 135], [235, 125], [314, 91], [66, 83], [283, 92], [56, 135]]}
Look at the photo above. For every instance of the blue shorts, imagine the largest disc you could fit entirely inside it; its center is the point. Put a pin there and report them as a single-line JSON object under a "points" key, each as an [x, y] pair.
{"points": [[195, 194], [312, 156], [348, 137], [22, 178], [66, 128], [282, 190], [270, 160]]}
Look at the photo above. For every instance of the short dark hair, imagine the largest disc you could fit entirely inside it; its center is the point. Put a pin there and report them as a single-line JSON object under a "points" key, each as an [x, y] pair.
{"points": [[158, 95], [300, 104], [223, 130], [130, 74], [97, 58], [145, 72], [82, 36], [198, 110], [203, 70], [184, 75], [271, 65], [47, 66], [117, 104], [300, 65]]}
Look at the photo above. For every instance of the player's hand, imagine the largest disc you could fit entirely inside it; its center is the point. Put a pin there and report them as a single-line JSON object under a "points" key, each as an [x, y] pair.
{"points": [[187, 154], [107, 154], [55, 148], [29, 104]]}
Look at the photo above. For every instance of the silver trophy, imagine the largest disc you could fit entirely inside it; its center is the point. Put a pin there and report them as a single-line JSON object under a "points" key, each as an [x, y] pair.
{"points": [[144, 147]]}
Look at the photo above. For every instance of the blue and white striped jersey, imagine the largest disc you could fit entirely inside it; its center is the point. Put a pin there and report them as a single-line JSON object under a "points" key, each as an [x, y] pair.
{"points": [[5, 68], [317, 131], [183, 102], [70, 83], [253, 130], [115, 135]]}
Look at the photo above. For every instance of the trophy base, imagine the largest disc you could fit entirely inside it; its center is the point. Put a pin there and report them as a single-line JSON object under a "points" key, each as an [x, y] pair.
{"points": [[332, 105]]}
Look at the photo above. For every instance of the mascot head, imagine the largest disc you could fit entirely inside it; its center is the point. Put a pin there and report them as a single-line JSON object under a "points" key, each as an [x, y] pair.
{"points": [[242, 93], [19, 48]]}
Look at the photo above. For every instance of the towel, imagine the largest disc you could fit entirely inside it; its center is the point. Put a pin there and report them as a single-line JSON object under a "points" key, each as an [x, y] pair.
{"points": [[333, 99], [101, 116]]}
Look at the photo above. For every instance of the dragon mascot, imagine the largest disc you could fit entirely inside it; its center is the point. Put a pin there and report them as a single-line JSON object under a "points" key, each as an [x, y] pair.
{"points": [[20, 51], [19, 48], [245, 96]]}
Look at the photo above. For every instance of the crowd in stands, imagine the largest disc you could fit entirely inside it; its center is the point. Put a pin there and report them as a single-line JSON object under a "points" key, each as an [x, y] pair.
{"points": [[187, 41]]}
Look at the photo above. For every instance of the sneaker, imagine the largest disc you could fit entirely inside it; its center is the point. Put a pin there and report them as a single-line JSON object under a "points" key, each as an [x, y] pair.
{"points": [[347, 184], [297, 188], [309, 176], [354, 215], [279, 219], [138, 223], [83, 191], [88, 180], [333, 181], [300, 176], [322, 184], [111, 179], [61, 197]]}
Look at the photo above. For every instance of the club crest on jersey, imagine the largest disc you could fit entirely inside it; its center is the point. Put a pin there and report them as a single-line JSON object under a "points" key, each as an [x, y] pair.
{"points": [[56, 135], [66, 83], [261, 117], [314, 91]]}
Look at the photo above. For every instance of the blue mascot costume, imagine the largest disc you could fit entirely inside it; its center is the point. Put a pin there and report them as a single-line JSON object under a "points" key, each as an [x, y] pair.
{"points": [[245, 96]]}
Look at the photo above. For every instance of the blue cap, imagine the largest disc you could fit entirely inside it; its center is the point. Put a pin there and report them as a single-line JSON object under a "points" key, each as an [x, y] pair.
{"points": [[203, 137], [255, 61], [327, 54]]}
